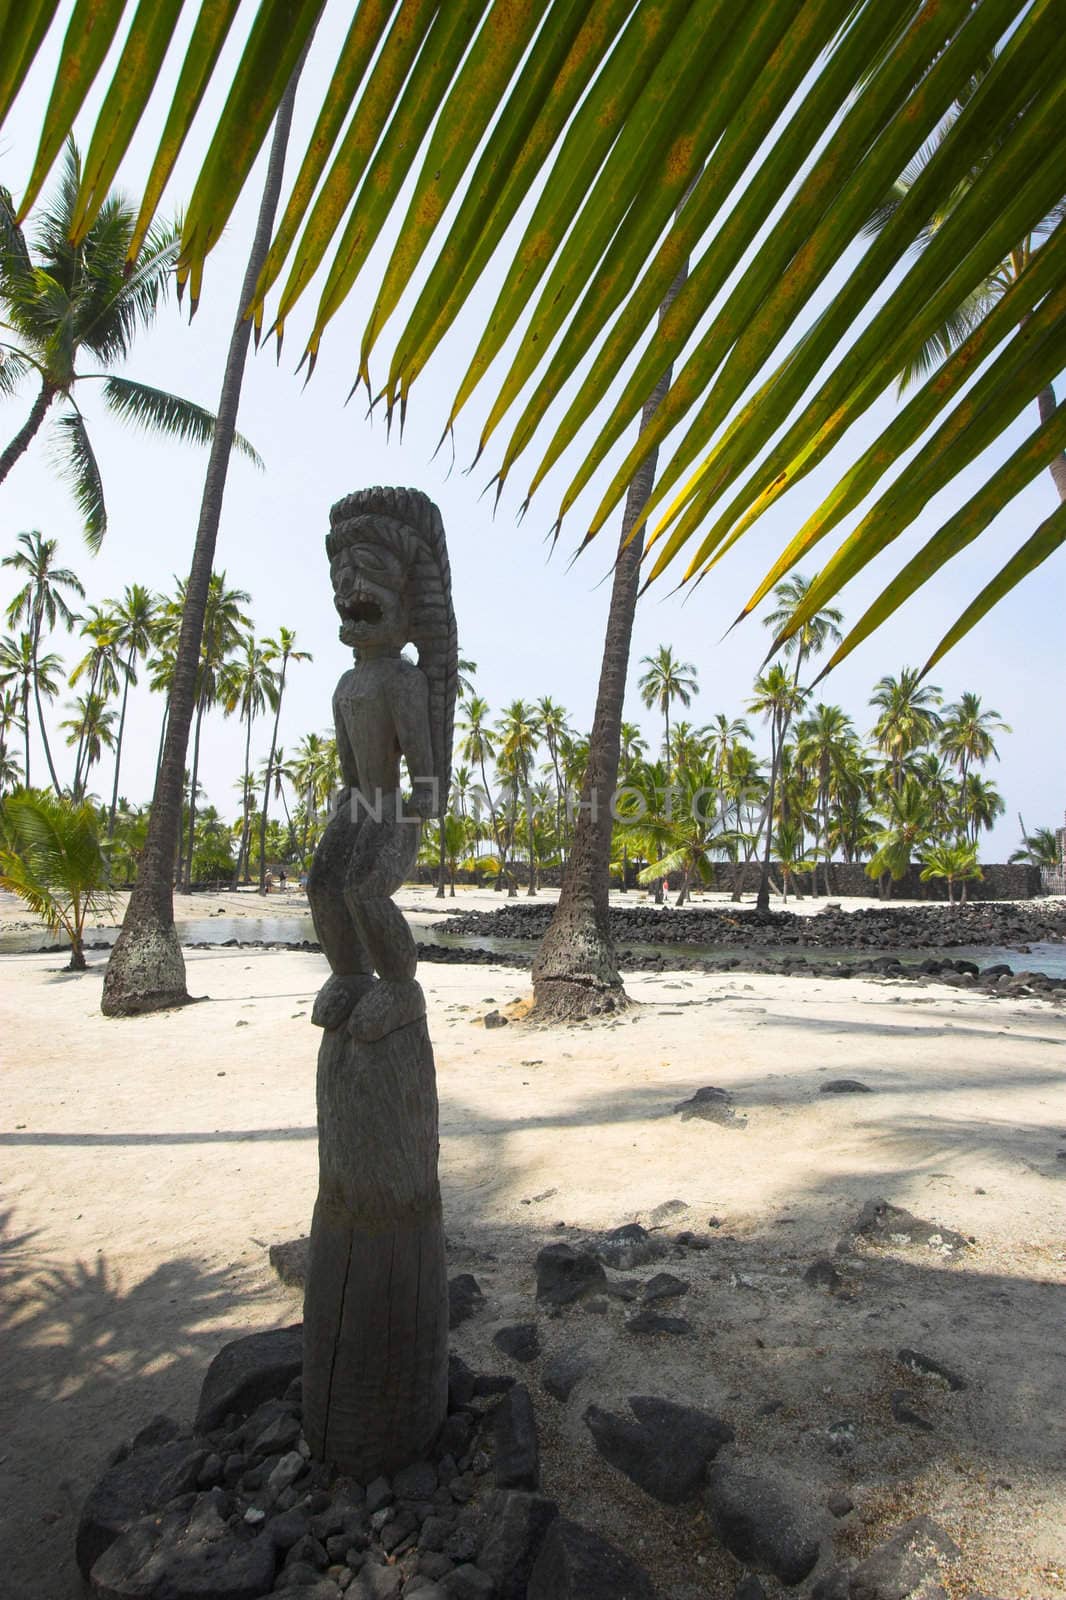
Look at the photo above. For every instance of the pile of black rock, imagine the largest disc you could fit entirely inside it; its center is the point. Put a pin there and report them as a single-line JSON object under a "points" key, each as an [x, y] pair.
{"points": [[233, 1507], [993, 922]]}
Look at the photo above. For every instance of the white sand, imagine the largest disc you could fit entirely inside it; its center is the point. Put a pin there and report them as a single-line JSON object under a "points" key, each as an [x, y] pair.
{"points": [[148, 1164]]}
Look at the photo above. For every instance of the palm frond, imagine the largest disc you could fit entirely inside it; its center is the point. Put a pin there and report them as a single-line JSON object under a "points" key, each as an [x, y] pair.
{"points": [[159, 412], [77, 465]]}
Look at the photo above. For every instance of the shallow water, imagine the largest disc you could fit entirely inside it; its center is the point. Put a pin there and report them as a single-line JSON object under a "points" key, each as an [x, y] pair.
{"points": [[1041, 957]]}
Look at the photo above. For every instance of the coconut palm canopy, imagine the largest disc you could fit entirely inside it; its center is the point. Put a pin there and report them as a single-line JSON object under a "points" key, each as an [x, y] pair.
{"points": [[799, 113]]}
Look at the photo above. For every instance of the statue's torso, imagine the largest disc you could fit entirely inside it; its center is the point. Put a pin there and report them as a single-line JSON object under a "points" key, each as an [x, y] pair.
{"points": [[362, 702]]}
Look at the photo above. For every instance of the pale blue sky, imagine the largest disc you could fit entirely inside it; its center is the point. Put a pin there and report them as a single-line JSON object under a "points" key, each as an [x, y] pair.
{"points": [[533, 627]]}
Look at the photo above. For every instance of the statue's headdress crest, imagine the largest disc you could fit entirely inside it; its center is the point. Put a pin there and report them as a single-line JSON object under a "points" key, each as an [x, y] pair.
{"points": [[406, 524]]}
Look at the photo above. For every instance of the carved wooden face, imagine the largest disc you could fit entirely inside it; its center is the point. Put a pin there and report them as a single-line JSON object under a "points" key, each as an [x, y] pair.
{"points": [[369, 592]]}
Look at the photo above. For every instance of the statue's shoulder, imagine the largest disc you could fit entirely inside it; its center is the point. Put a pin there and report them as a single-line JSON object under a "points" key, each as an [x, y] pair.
{"points": [[344, 684]]}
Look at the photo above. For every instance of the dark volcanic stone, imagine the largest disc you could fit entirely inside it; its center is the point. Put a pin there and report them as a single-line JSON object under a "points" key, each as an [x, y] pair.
{"points": [[565, 1275], [290, 1259], [710, 1105], [907, 1564], [845, 1086], [519, 1341], [749, 1588], [416, 1482], [822, 1274], [840, 1504], [514, 1532], [461, 1383], [655, 1322], [464, 1298], [926, 1367], [187, 1553], [248, 1371], [142, 1482], [514, 1427], [468, 1583], [664, 1286], [762, 1518], [562, 1373], [881, 1223], [628, 1246], [904, 1410], [576, 1564], [665, 1451]]}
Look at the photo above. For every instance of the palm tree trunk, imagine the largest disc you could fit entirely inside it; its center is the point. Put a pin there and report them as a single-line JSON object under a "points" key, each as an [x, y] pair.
{"points": [[26, 727], [162, 743], [244, 805], [186, 879], [532, 844], [575, 970], [118, 750], [146, 971], [29, 428], [44, 730], [269, 777]]}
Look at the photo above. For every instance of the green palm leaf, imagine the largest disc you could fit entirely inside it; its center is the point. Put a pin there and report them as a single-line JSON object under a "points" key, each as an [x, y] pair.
{"points": [[160, 412], [77, 465]]}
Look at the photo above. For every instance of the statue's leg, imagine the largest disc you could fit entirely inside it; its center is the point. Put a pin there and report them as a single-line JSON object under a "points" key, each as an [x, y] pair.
{"points": [[384, 854], [337, 932]]}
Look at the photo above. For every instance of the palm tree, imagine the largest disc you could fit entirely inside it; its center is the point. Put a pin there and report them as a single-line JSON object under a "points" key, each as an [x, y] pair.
{"points": [[825, 739], [518, 734], [478, 745], [41, 604], [16, 667], [11, 714], [247, 684], [277, 653], [808, 640], [979, 803], [955, 863], [10, 772], [52, 860], [146, 971], [777, 698], [222, 632], [723, 735], [91, 728], [682, 824], [81, 301], [135, 621], [966, 733], [103, 664], [1040, 849], [665, 681], [790, 853], [904, 833], [908, 717], [551, 718], [310, 777]]}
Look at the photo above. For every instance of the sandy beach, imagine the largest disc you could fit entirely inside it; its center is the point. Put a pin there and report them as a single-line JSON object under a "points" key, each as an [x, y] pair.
{"points": [[149, 1164]]}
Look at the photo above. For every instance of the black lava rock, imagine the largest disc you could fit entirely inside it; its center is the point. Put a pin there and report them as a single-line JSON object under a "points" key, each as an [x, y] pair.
{"points": [[845, 1086], [514, 1532], [464, 1298], [881, 1223], [926, 1367], [141, 1483], [665, 1451], [514, 1429], [519, 1341], [562, 1373], [186, 1551], [576, 1564], [763, 1519], [565, 1275], [247, 1371], [628, 1246]]}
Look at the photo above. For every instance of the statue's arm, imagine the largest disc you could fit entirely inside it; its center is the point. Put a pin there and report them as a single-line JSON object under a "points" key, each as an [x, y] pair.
{"points": [[409, 697], [345, 753]]}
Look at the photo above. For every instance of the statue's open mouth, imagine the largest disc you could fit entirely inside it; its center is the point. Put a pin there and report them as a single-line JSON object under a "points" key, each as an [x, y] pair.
{"points": [[362, 609]]}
